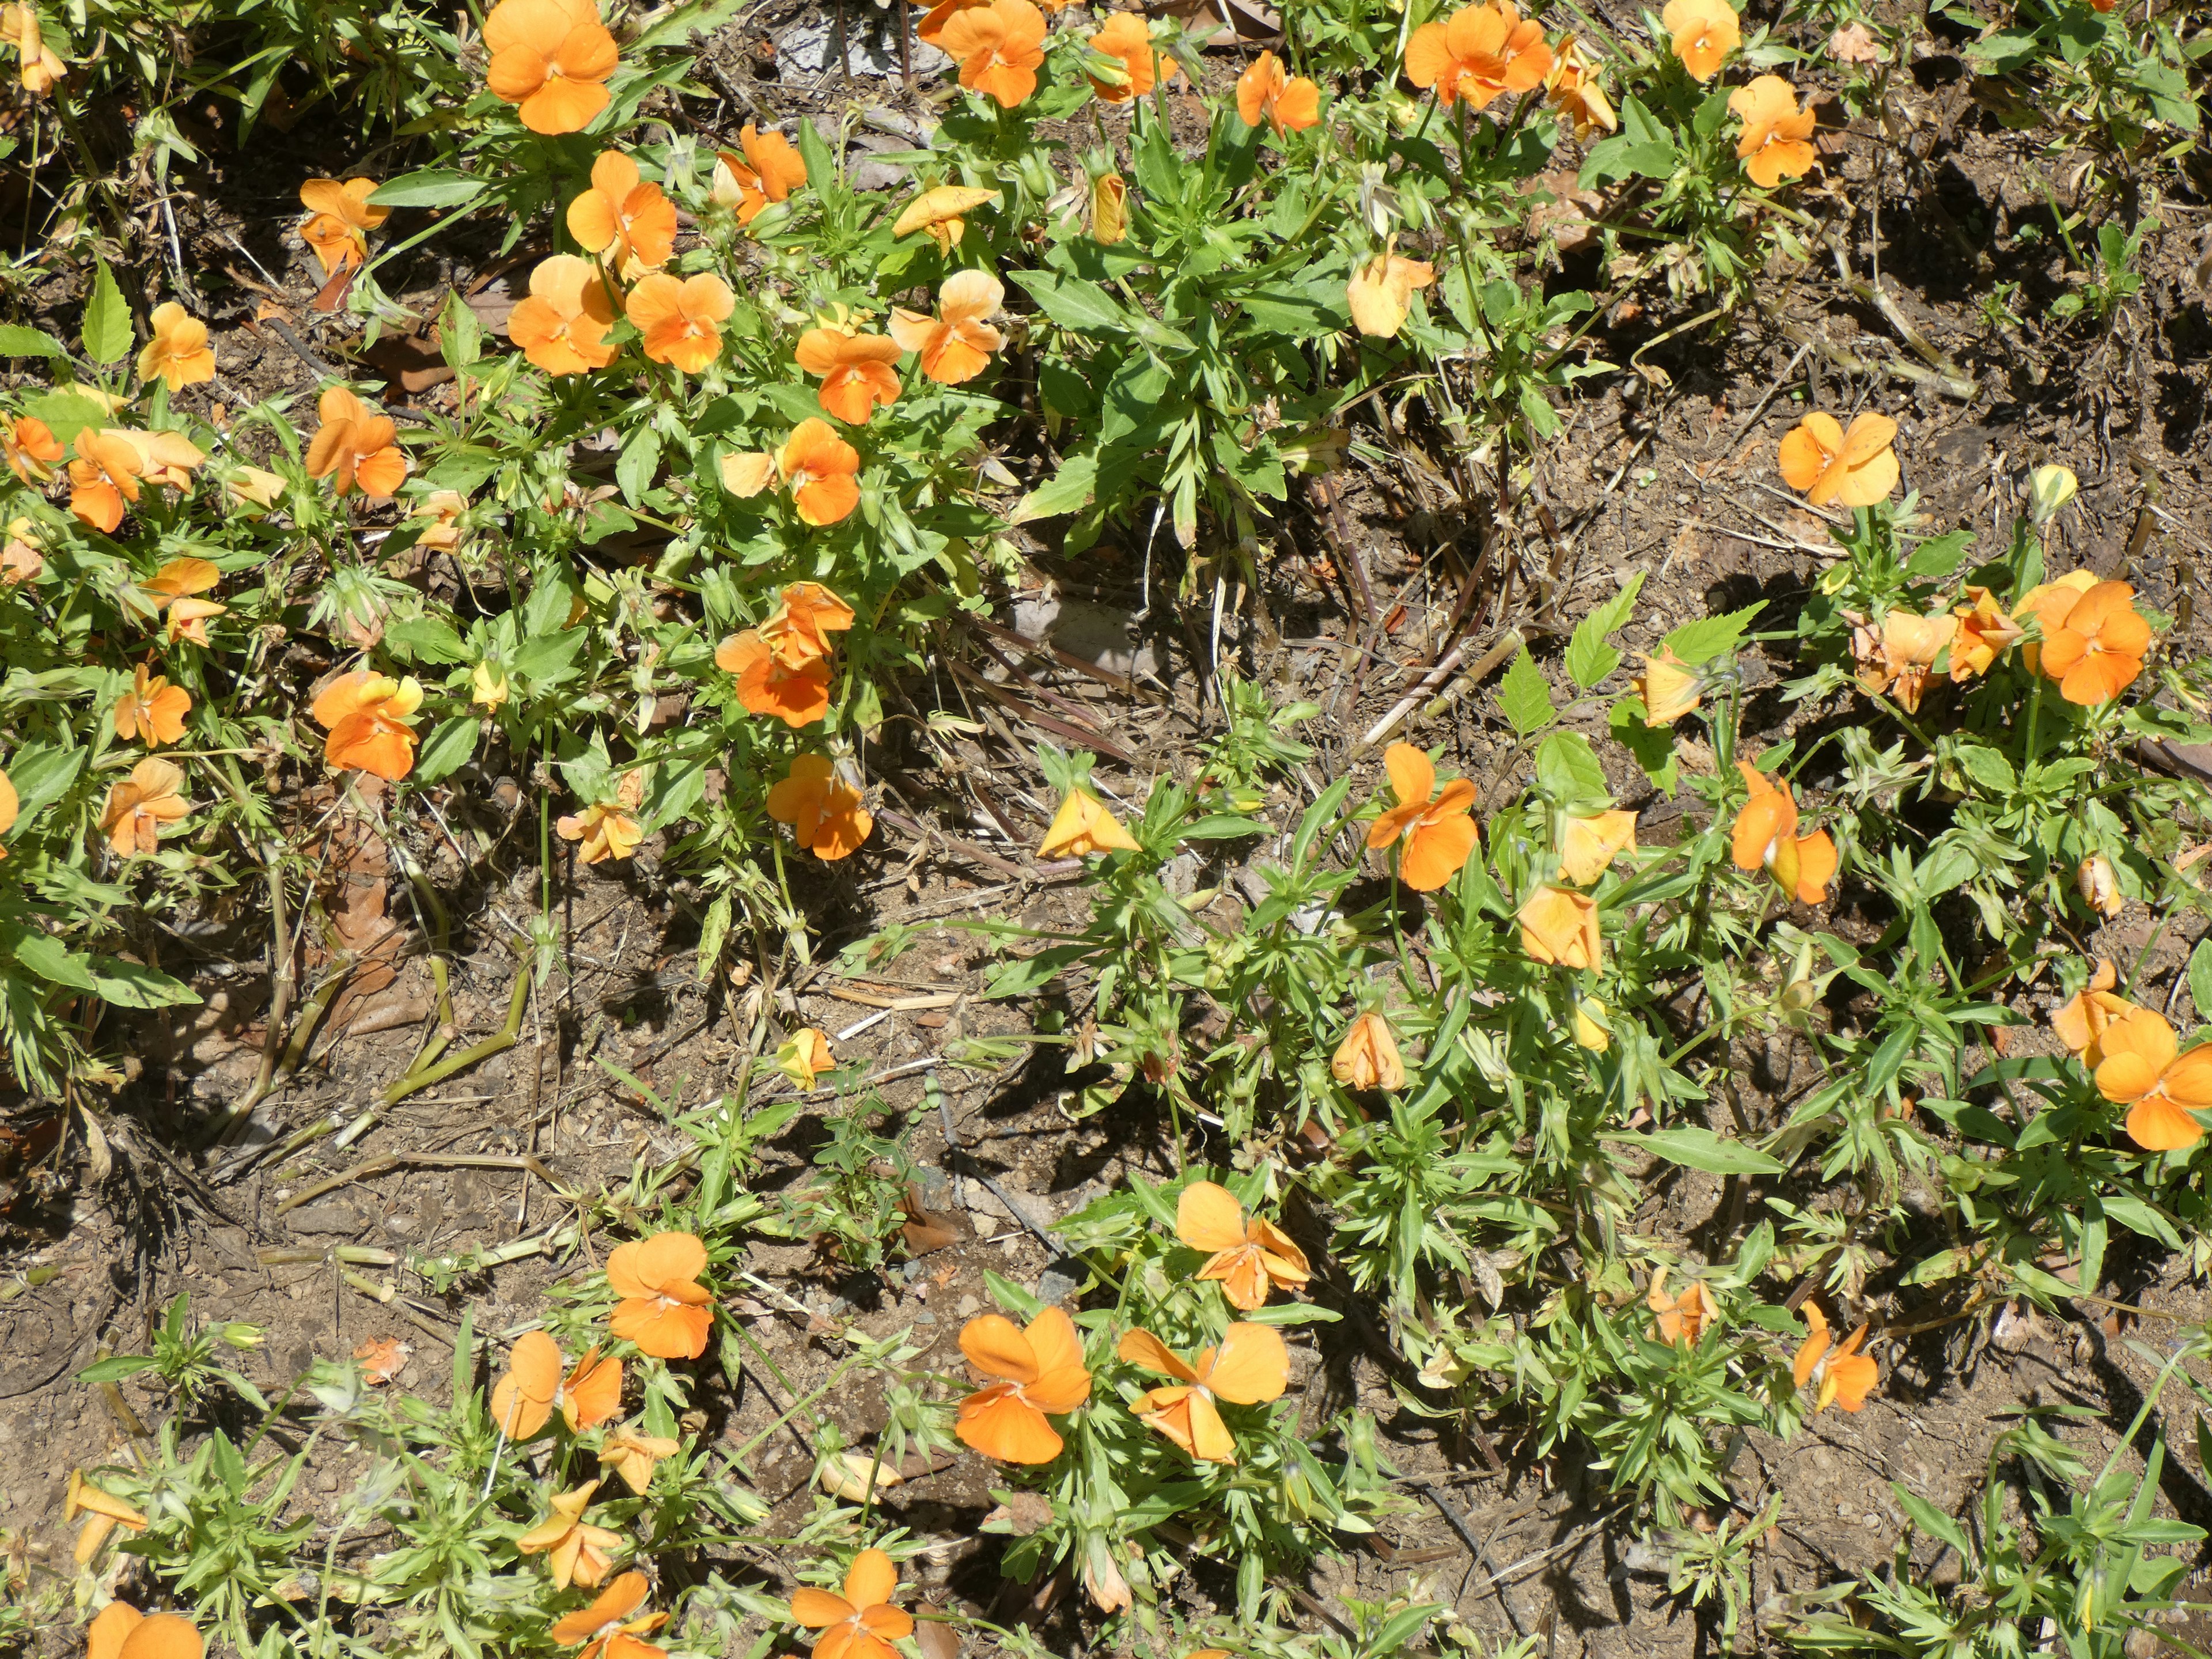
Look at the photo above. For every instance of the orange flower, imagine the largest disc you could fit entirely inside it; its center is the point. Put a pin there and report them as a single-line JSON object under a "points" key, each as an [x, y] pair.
{"points": [[1900, 657], [528, 1391], [1559, 927], [562, 324], [138, 808], [106, 1512], [1249, 1257], [1380, 292], [821, 469], [768, 684], [942, 212], [607, 1628], [355, 449], [1669, 687], [1083, 826], [1681, 1318], [1042, 1375], [1825, 464], [1127, 38], [805, 1056], [171, 588], [577, 1552], [166, 458], [681, 320], [608, 830], [807, 614], [775, 170], [121, 1632], [1368, 1057], [2141, 1067], [2081, 1023], [2097, 651], [31, 448], [855, 370], [1249, 1368], [629, 223], [1589, 845], [339, 219], [42, 67], [957, 344], [998, 45], [1766, 837], [1437, 829], [1479, 53], [1573, 90], [1985, 633], [370, 720], [179, 352], [1264, 93], [2047, 606], [153, 707], [824, 812], [1842, 1376], [1704, 32], [1778, 135], [663, 1310], [552, 58], [635, 1456], [861, 1624], [104, 478]]}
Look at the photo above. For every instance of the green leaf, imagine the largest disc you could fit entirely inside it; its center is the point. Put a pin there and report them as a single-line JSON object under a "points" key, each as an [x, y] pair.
{"points": [[1567, 770], [1075, 304], [2200, 978], [1642, 147], [66, 413], [106, 318], [431, 187], [1698, 642], [46, 956], [1524, 697], [115, 1370], [425, 639], [1939, 555], [1701, 1149], [448, 750], [1292, 1313], [639, 460], [1933, 1521], [1223, 826], [1590, 654], [1068, 490], [17, 341], [134, 985]]}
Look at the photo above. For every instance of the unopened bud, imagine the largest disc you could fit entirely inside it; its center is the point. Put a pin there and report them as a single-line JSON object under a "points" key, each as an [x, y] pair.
{"points": [[2101, 886], [1592, 1031], [2049, 488]]}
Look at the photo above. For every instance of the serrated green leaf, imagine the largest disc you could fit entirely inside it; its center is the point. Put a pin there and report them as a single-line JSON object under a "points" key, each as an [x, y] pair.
{"points": [[1524, 698], [106, 318], [448, 750], [17, 341], [1590, 654], [1698, 642], [1701, 1149], [1068, 490], [1567, 770]]}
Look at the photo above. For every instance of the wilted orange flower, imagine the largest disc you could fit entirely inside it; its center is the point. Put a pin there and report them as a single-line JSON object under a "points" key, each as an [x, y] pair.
{"points": [[1985, 633], [805, 1056], [610, 1628], [252, 487], [153, 707], [956, 344], [1573, 90], [1249, 1256], [634, 1457], [861, 1624], [2099, 884], [42, 67], [532, 1387], [31, 448], [1128, 39], [681, 320], [1478, 53], [768, 172], [608, 828], [1368, 1057], [663, 1309], [171, 588], [179, 352], [1589, 845], [824, 813], [355, 448], [1083, 826], [371, 719], [2097, 651], [628, 223], [1899, 656], [106, 1511], [1843, 1376], [2081, 1023], [1681, 1318], [138, 807], [807, 614], [1041, 1374], [1559, 927], [1704, 32], [1109, 208], [121, 1632], [2143, 1069], [942, 212], [998, 45], [1670, 689], [562, 324], [104, 478], [1766, 837], [339, 219], [22, 553], [166, 458], [1778, 135], [1286, 103], [576, 1552], [1249, 1368], [1437, 829], [552, 58], [1380, 292], [1825, 464], [855, 370]]}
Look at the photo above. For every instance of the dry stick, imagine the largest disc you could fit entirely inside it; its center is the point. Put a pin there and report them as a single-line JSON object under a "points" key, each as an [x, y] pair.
{"points": [[1476, 1547], [283, 948], [390, 1161], [960, 1156], [498, 1042], [1121, 682], [1500, 648]]}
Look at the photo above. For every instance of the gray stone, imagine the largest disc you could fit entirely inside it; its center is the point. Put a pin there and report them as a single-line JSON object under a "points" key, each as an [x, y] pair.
{"points": [[333, 1220], [1054, 1286], [811, 49]]}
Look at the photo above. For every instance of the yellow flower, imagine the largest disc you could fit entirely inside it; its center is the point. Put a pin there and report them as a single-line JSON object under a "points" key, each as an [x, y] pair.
{"points": [[1082, 827]]}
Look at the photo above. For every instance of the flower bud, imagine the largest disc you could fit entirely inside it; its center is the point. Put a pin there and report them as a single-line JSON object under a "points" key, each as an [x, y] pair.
{"points": [[1591, 1030], [1109, 208], [2100, 886], [241, 1335], [2049, 488]]}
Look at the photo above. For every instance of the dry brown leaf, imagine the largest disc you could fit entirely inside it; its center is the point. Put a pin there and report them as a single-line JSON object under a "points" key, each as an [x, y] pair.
{"points": [[382, 1359]]}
